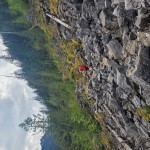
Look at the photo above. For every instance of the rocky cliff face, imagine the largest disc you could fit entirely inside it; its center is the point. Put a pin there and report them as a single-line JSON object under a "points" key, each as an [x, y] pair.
{"points": [[115, 36]]}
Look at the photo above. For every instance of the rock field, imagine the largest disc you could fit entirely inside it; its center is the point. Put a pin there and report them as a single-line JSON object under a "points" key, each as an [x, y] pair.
{"points": [[115, 35]]}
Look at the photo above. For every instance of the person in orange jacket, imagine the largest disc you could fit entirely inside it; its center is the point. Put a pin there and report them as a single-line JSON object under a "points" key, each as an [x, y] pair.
{"points": [[83, 68]]}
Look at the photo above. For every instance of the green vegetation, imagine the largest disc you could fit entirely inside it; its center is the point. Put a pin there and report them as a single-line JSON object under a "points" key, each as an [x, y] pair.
{"points": [[20, 9], [20, 6], [70, 60], [15, 18], [105, 136], [144, 112]]}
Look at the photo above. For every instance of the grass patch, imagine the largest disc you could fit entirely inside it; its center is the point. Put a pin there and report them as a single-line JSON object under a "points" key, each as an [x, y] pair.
{"points": [[105, 137], [71, 61], [144, 112], [54, 7]]}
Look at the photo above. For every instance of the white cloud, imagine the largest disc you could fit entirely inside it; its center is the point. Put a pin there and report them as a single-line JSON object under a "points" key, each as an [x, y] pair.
{"points": [[16, 103]]}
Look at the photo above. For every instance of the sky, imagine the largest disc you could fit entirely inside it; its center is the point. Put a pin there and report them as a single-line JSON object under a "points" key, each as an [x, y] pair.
{"points": [[16, 104]]}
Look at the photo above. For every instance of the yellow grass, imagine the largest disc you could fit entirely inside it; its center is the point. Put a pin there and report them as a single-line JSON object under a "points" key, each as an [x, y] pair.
{"points": [[142, 112], [54, 7]]}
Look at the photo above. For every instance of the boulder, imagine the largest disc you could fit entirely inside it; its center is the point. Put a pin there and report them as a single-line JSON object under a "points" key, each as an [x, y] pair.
{"points": [[113, 64], [132, 133], [147, 144], [108, 3], [114, 49], [110, 78], [131, 47], [117, 1], [132, 4], [113, 104], [136, 101], [78, 5], [84, 24], [99, 4], [120, 12], [132, 36], [143, 21], [148, 1], [144, 37], [108, 20], [122, 82], [141, 73]]}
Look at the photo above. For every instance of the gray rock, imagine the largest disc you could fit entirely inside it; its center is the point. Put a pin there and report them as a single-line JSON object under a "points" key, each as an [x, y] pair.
{"points": [[110, 78], [117, 1], [113, 104], [146, 94], [148, 1], [93, 84], [132, 133], [143, 21], [144, 122], [106, 87], [144, 131], [136, 101], [106, 38], [148, 101], [107, 3], [132, 4], [119, 92], [144, 37], [78, 6], [132, 36], [99, 4], [99, 76], [121, 13], [88, 9], [108, 20], [114, 49], [122, 82], [147, 144], [142, 70], [118, 11], [140, 144], [124, 95], [129, 115]]}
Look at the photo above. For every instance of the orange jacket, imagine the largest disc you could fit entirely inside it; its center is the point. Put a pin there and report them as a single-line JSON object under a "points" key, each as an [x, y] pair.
{"points": [[83, 68]]}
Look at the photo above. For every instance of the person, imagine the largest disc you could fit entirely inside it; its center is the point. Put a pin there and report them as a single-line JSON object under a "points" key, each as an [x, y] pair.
{"points": [[90, 69], [83, 68]]}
